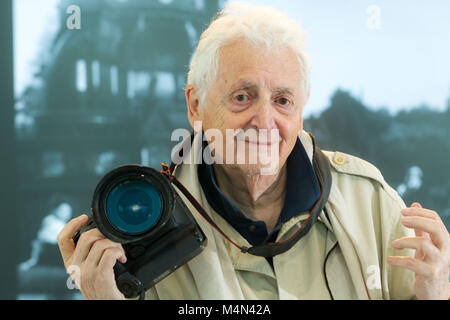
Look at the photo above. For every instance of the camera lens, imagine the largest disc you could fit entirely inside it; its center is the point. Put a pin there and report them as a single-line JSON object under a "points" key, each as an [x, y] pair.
{"points": [[132, 203], [134, 206]]}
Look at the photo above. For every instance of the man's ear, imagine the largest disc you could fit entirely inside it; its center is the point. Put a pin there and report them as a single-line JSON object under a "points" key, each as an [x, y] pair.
{"points": [[193, 104]]}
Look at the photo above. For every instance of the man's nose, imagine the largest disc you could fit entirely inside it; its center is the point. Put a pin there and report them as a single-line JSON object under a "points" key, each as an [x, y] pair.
{"points": [[264, 116]]}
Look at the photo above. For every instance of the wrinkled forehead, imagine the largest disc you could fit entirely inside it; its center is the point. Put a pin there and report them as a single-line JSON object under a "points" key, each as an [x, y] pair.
{"points": [[242, 65]]}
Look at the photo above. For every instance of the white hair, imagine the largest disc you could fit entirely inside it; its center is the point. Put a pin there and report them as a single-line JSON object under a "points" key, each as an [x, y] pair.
{"points": [[258, 26]]}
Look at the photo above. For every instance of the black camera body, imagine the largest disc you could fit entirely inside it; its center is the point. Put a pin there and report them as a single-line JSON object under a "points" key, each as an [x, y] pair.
{"points": [[138, 207]]}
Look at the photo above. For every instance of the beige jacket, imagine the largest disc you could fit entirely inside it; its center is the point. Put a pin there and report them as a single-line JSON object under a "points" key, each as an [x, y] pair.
{"points": [[348, 252]]}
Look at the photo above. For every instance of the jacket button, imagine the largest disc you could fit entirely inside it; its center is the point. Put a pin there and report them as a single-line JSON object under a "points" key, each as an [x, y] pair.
{"points": [[340, 160]]}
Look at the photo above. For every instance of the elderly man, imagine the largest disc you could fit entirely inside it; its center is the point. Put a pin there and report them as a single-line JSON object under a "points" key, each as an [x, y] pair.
{"points": [[250, 72]]}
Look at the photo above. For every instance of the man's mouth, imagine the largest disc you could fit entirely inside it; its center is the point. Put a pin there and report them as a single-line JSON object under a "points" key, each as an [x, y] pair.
{"points": [[262, 141]]}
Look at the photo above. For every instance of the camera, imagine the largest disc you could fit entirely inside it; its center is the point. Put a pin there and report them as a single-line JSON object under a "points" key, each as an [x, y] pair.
{"points": [[138, 207]]}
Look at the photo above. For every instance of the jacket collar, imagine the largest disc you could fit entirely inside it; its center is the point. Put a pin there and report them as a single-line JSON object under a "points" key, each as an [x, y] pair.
{"points": [[187, 174], [303, 190]]}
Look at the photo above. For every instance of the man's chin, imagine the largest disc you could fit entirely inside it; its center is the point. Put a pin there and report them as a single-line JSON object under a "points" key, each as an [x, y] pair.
{"points": [[253, 170]]}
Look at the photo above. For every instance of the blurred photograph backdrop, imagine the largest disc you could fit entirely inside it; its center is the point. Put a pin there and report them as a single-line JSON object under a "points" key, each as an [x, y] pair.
{"points": [[93, 84]]}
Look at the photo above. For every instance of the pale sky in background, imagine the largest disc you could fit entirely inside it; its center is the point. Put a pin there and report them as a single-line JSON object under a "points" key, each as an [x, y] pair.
{"points": [[33, 20], [403, 64]]}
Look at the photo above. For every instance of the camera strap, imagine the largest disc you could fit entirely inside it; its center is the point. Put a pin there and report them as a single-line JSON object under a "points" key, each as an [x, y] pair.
{"points": [[321, 167]]}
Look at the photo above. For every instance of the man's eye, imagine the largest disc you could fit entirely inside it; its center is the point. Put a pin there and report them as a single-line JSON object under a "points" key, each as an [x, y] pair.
{"points": [[284, 102], [242, 98]]}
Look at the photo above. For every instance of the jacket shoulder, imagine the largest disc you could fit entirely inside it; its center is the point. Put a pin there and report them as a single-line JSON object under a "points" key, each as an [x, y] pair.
{"points": [[347, 164]]}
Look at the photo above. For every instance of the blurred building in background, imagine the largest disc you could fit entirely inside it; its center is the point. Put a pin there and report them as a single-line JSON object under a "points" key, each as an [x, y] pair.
{"points": [[410, 148], [108, 94]]}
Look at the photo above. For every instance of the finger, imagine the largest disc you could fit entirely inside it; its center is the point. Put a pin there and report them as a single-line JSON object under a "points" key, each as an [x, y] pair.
{"points": [[436, 229], [419, 267], [416, 205], [424, 246], [84, 245], [99, 248], [422, 234], [405, 212], [417, 232], [426, 213], [65, 241], [110, 257], [106, 268]]}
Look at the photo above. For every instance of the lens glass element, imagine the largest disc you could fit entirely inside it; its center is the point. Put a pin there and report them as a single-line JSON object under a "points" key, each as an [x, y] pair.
{"points": [[134, 206]]}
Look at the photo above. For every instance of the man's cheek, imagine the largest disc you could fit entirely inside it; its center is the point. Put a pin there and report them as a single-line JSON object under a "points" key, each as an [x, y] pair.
{"points": [[290, 131], [217, 118]]}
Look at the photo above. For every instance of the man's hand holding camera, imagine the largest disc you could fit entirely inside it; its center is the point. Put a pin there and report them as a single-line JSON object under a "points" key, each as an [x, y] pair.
{"points": [[95, 256]]}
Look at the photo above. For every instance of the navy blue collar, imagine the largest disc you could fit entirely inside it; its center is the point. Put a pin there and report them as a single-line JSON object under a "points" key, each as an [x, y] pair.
{"points": [[303, 190]]}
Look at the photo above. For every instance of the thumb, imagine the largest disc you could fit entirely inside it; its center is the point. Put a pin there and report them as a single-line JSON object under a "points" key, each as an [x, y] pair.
{"points": [[65, 242]]}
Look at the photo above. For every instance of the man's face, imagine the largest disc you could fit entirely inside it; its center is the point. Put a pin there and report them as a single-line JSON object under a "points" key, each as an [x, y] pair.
{"points": [[255, 90]]}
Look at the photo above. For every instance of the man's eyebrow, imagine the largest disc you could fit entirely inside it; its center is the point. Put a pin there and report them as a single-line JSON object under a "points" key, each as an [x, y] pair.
{"points": [[282, 90], [249, 85], [243, 85]]}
